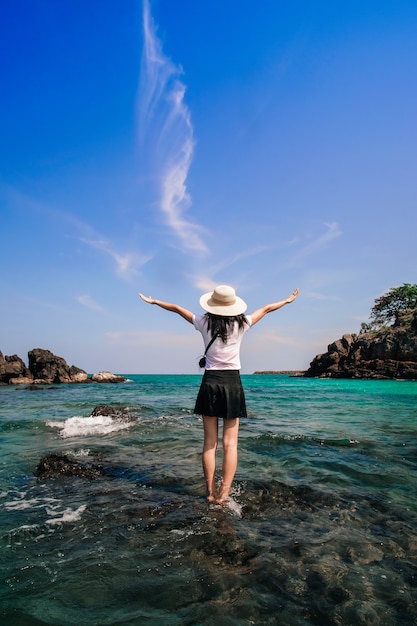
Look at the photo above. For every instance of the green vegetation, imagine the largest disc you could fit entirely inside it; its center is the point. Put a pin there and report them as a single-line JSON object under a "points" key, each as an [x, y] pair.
{"points": [[398, 307]]}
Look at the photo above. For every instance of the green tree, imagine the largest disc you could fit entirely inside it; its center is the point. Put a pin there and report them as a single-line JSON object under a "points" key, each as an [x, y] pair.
{"points": [[398, 305]]}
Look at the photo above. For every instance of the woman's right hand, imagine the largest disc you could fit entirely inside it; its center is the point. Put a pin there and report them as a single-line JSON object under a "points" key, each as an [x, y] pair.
{"points": [[147, 299]]}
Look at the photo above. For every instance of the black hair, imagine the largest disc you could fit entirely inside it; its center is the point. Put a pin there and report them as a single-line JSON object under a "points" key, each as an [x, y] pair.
{"points": [[221, 325]]}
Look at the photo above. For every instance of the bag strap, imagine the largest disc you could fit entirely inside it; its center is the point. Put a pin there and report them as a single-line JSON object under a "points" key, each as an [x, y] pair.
{"points": [[209, 344]]}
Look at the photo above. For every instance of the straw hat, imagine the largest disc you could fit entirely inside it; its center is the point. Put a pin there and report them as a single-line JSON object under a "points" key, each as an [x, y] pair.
{"points": [[223, 301]]}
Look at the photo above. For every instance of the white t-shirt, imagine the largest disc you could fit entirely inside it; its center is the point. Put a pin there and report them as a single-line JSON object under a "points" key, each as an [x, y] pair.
{"points": [[222, 356]]}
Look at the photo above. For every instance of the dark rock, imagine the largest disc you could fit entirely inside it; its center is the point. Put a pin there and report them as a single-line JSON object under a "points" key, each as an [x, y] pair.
{"points": [[47, 368], [50, 368], [65, 465], [388, 354], [105, 409], [12, 368]]}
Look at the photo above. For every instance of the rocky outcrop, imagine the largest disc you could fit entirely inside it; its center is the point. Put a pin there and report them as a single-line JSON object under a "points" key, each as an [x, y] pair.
{"points": [[107, 377], [44, 367], [387, 354], [50, 368], [12, 368]]}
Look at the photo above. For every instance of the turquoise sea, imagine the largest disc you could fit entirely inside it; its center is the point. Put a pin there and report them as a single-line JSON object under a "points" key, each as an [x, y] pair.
{"points": [[322, 527]]}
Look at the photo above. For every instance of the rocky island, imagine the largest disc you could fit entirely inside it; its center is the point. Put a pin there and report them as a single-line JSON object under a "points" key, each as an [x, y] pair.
{"points": [[44, 367], [391, 354], [386, 348]]}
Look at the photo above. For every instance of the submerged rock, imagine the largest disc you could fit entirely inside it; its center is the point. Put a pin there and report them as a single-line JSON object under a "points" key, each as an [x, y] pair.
{"points": [[38, 387], [65, 465], [113, 411]]}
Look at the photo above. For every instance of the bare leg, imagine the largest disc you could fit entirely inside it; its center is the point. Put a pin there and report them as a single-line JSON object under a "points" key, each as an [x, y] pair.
{"points": [[211, 429], [230, 438]]}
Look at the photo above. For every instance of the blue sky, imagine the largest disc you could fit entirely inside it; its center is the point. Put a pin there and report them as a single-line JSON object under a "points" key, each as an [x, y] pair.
{"points": [[169, 146]]}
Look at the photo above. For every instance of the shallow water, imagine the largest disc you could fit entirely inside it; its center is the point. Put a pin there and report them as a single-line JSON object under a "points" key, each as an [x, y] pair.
{"points": [[321, 529]]}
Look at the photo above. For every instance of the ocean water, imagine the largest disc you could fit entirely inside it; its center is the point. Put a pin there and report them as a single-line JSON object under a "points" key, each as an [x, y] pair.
{"points": [[321, 528]]}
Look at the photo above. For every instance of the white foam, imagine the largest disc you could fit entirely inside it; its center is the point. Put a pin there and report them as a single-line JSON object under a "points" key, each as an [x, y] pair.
{"points": [[68, 515], [234, 507], [32, 503], [82, 453], [94, 425], [52, 507]]}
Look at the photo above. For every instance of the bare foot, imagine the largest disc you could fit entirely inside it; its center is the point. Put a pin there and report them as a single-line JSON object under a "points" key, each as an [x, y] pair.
{"points": [[224, 495], [212, 497]]}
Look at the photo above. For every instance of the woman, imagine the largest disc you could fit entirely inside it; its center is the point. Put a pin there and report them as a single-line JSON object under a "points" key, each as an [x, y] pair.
{"points": [[221, 393]]}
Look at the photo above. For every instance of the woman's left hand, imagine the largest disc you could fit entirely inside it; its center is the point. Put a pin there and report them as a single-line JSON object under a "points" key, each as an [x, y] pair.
{"points": [[293, 296]]}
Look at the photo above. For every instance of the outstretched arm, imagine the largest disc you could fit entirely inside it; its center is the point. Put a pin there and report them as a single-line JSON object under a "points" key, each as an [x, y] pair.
{"points": [[274, 306], [168, 306]]}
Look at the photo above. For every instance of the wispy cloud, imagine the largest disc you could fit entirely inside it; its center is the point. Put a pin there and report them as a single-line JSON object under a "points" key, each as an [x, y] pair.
{"points": [[126, 263], [332, 231], [90, 303], [207, 281], [167, 133], [315, 244]]}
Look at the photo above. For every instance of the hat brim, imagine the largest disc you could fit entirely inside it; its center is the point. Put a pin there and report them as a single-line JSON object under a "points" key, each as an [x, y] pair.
{"points": [[237, 308]]}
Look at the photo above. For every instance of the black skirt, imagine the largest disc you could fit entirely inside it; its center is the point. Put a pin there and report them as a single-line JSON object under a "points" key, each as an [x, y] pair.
{"points": [[221, 395]]}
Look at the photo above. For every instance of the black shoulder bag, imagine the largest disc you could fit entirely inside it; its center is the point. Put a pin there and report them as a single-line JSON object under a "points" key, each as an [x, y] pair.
{"points": [[202, 361]]}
